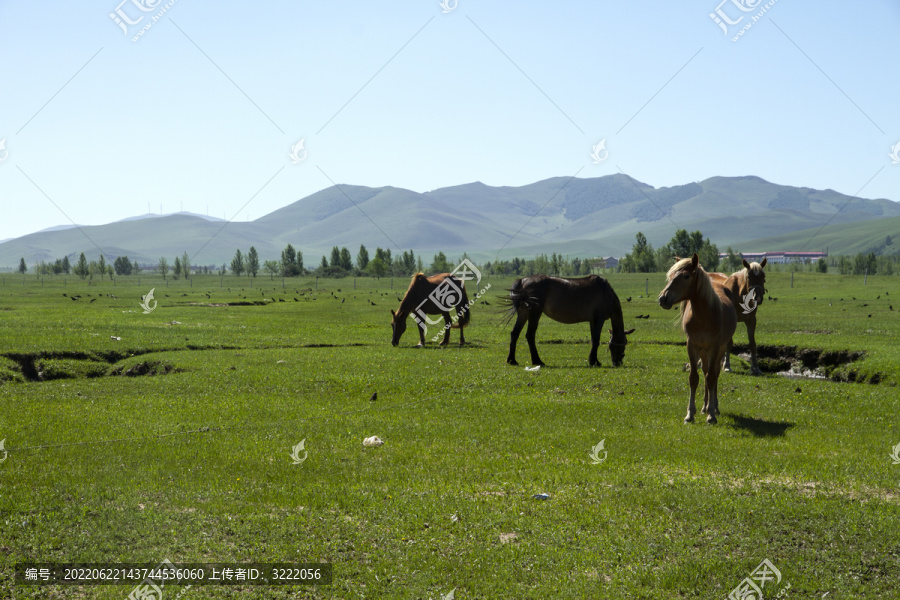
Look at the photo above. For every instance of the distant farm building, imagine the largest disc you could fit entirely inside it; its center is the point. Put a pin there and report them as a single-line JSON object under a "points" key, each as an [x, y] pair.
{"points": [[780, 257]]}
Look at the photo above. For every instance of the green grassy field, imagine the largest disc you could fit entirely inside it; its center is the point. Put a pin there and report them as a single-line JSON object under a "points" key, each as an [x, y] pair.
{"points": [[174, 442]]}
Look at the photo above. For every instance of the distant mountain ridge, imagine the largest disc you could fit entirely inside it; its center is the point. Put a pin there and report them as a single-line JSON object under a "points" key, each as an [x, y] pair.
{"points": [[578, 217]]}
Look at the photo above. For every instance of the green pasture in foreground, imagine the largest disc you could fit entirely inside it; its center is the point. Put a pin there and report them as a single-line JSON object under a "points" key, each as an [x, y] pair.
{"points": [[174, 442]]}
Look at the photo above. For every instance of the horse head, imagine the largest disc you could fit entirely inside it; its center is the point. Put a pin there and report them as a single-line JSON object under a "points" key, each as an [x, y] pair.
{"points": [[398, 326], [756, 279], [617, 345], [681, 282]]}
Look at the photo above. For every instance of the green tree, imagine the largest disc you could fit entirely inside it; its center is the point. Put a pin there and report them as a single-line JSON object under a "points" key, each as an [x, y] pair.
{"points": [[709, 255], [23, 268], [66, 265], [376, 267], [324, 264], [122, 265], [362, 258], [135, 267], [82, 269], [865, 263], [346, 261], [335, 257], [110, 271], [822, 265], [409, 262], [641, 259], [732, 261], [101, 264], [252, 262], [176, 268], [163, 266], [440, 263], [289, 267], [186, 265], [237, 263], [273, 267]]}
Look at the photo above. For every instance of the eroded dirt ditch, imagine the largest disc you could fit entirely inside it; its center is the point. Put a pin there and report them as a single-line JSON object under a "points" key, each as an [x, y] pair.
{"points": [[809, 363]]}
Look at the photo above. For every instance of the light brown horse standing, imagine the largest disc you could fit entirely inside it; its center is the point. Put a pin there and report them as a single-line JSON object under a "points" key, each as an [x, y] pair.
{"points": [[708, 320], [434, 295], [748, 286]]}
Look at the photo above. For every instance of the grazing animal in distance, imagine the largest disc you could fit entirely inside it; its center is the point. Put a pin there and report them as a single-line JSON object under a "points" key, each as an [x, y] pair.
{"points": [[751, 279], [434, 295], [708, 320], [566, 300]]}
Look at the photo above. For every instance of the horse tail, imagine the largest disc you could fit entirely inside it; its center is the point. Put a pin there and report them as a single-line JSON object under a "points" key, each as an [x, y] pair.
{"points": [[463, 310], [519, 298]]}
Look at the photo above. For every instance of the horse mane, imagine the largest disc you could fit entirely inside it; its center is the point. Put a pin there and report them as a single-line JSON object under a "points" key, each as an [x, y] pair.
{"points": [[742, 279], [409, 298], [704, 284]]}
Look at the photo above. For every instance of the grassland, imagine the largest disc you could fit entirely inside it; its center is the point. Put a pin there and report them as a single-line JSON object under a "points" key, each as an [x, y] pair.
{"points": [[174, 442]]}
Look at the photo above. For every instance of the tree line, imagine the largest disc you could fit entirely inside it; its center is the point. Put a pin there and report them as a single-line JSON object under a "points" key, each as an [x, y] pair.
{"points": [[643, 258]]}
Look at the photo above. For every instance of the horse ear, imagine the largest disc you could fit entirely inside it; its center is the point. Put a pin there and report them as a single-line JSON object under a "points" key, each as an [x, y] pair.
{"points": [[763, 262], [695, 260], [629, 332], [745, 263], [393, 314]]}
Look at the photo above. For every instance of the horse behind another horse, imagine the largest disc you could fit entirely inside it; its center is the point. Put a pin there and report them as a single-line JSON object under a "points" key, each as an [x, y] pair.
{"points": [[748, 286]]}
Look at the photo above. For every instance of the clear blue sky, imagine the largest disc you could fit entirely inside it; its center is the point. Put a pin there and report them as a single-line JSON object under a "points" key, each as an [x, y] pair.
{"points": [[201, 112]]}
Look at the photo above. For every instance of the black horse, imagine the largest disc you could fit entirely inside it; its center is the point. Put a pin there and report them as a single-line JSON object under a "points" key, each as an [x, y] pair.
{"points": [[567, 300]]}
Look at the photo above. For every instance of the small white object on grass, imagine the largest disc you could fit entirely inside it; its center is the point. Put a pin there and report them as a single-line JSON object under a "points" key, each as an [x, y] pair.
{"points": [[373, 441], [534, 368], [118, 339]]}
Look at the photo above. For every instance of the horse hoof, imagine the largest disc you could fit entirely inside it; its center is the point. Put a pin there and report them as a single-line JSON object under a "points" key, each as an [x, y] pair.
{"points": [[727, 369], [512, 362], [711, 419], [688, 419]]}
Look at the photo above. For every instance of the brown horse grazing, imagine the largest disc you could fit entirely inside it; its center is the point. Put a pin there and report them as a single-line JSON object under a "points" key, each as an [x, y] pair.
{"points": [[434, 295], [748, 286], [708, 320], [568, 301]]}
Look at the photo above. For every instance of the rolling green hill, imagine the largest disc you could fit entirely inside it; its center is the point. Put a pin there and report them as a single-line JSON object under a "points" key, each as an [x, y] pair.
{"points": [[586, 217], [850, 238]]}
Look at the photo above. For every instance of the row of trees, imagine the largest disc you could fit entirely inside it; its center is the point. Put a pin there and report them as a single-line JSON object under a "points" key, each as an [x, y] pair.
{"points": [[644, 259], [83, 268]]}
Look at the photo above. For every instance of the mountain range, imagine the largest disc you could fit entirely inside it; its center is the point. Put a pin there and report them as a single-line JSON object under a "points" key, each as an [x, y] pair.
{"points": [[576, 217]]}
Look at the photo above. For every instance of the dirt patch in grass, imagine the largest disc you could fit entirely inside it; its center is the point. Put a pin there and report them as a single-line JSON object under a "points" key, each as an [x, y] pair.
{"points": [[147, 367], [49, 366]]}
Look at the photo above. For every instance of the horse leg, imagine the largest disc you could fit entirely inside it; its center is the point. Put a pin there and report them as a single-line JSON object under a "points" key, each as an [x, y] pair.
{"points": [[462, 333], [710, 362], [596, 331], [751, 335], [447, 324], [529, 336], [727, 367], [514, 338], [694, 358], [712, 388], [421, 337]]}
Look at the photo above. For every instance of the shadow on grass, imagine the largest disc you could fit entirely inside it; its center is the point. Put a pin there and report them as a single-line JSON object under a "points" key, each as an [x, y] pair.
{"points": [[759, 427]]}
